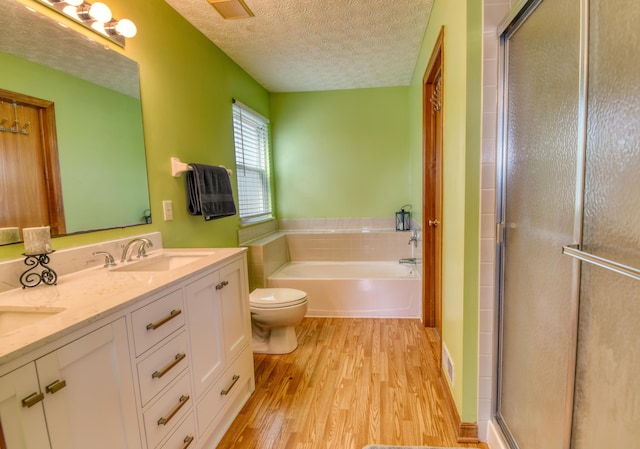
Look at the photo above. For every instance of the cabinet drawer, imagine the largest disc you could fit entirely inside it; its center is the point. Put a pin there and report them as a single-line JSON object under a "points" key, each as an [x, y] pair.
{"points": [[163, 415], [162, 366], [225, 390], [184, 437], [155, 321]]}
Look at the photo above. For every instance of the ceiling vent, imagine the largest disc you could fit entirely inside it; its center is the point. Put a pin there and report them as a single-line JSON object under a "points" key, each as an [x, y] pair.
{"points": [[231, 9]]}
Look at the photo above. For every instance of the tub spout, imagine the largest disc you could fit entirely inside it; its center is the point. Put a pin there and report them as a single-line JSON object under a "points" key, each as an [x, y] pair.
{"points": [[410, 260]]}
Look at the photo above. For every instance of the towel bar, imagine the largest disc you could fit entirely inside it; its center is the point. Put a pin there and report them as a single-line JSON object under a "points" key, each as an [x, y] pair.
{"points": [[178, 167], [625, 270]]}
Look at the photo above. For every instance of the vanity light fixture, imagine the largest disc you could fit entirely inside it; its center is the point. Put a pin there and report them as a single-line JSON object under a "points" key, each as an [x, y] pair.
{"points": [[95, 16], [122, 27], [98, 12]]}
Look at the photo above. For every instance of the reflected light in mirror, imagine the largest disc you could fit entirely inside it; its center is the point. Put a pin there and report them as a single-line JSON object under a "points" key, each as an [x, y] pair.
{"points": [[124, 27], [100, 12], [96, 17]]}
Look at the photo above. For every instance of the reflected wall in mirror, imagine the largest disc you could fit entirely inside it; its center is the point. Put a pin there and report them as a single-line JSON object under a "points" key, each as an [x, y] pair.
{"points": [[98, 116]]}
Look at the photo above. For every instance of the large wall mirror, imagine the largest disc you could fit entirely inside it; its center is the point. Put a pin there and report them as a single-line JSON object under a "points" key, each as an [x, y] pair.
{"points": [[98, 117]]}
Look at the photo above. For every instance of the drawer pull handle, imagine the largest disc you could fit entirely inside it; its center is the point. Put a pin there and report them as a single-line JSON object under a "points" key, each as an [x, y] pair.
{"points": [[228, 389], [168, 366], [174, 313], [32, 399], [165, 419], [55, 386], [187, 441], [222, 285]]}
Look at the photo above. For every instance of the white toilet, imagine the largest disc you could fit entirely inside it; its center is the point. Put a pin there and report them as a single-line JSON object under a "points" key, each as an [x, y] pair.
{"points": [[274, 313]]}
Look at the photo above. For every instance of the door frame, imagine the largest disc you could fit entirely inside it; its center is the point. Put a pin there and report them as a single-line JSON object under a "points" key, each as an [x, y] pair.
{"points": [[51, 162], [432, 155]]}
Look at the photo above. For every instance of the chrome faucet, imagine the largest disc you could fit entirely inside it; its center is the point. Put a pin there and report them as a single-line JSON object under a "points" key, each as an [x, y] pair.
{"points": [[108, 258], [144, 243], [410, 260], [414, 239]]}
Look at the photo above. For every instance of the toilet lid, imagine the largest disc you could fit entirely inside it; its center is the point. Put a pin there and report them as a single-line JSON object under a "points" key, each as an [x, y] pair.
{"points": [[268, 298]]}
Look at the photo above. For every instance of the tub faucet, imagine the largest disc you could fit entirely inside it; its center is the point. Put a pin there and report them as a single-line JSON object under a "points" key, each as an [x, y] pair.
{"points": [[410, 260], [144, 243], [414, 239]]}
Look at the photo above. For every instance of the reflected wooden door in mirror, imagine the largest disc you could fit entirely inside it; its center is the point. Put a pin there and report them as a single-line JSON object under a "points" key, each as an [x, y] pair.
{"points": [[29, 167]]}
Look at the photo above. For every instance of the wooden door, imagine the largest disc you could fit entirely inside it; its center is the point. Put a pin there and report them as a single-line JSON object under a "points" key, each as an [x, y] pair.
{"points": [[30, 187], [432, 188]]}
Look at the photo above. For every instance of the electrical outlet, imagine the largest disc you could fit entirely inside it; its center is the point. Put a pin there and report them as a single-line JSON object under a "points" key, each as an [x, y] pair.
{"points": [[167, 209]]}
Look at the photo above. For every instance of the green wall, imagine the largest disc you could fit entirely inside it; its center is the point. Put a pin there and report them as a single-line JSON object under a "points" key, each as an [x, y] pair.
{"points": [[187, 85], [341, 153], [462, 87]]}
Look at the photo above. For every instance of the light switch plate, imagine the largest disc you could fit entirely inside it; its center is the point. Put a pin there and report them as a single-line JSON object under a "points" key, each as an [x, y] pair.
{"points": [[167, 210]]}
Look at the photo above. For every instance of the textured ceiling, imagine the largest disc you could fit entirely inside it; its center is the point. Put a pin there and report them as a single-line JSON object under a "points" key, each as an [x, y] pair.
{"points": [[312, 45]]}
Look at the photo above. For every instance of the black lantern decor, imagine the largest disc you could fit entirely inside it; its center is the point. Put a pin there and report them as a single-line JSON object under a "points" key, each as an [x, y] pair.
{"points": [[403, 219]]}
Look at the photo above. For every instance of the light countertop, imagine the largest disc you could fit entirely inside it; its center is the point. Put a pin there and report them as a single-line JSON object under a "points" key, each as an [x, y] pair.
{"points": [[89, 295]]}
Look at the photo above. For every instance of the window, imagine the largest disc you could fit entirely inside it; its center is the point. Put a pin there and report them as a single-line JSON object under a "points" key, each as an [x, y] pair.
{"points": [[251, 136]]}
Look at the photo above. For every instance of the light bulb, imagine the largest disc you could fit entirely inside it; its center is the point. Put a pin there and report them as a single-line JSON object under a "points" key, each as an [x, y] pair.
{"points": [[74, 2], [126, 28], [100, 12]]}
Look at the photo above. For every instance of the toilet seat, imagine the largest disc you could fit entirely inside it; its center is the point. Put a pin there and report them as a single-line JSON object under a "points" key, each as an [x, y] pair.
{"points": [[275, 298]]}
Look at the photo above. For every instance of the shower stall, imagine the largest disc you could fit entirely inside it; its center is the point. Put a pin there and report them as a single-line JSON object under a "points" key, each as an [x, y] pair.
{"points": [[569, 225]]}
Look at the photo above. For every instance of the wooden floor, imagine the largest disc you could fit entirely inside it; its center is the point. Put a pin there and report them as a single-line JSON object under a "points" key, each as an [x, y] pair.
{"points": [[350, 383]]}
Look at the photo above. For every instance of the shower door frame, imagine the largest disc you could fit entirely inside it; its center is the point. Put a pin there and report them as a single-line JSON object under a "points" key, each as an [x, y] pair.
{"points": [[509, 27]]}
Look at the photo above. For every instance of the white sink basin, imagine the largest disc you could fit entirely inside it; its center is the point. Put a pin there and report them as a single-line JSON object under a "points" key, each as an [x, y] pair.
{"points": [[162, 262], [15, 317]]}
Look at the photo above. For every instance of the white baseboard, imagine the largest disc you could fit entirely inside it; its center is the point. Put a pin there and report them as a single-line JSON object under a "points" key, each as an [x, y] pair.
{"points": [[495, 439]]}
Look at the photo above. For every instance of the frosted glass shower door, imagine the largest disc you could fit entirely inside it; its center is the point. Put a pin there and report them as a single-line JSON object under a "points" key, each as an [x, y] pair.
{"points": [[607, 403], [539, 171]]}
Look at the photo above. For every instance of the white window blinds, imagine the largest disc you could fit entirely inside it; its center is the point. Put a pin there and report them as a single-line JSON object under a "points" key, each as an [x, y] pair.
{"points": [[251, 136]]}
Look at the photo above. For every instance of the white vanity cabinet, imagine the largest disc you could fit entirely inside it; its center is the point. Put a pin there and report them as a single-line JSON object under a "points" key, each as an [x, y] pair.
{"points": [[84, 390], [194, 357], [162, 366], [21, 412], [168, 368], [219, 328]]}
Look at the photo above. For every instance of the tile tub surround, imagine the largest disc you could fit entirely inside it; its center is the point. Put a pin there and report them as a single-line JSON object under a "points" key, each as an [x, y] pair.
{"points": [[267, 254], [358, 224], [350, 246], [256, 231], [71, 260]]}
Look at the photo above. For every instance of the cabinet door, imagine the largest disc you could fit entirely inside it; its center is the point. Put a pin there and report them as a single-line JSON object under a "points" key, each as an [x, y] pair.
{"points": [[204, 321], [24, 426], [89, 397], [233, 292]]}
